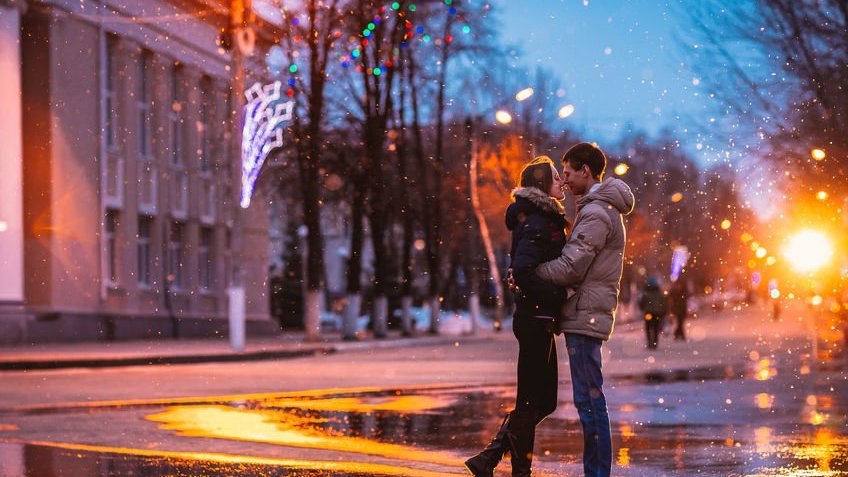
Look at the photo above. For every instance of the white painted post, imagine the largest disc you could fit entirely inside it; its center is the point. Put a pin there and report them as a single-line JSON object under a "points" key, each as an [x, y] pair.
{"points": [[237, 318]]}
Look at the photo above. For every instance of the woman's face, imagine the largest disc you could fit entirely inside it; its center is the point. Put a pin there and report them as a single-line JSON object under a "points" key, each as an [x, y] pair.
{"points": [[556, 186]]}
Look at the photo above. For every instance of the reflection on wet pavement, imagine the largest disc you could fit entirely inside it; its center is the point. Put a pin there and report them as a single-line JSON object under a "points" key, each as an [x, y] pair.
{"points": [[756, 421], [63, 460]]}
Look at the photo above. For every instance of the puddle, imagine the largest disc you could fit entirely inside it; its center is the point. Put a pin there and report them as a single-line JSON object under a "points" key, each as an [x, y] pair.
{"points": [[706, 422]]}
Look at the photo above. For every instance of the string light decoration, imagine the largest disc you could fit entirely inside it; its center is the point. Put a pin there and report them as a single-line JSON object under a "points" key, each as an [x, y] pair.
{"points": [[411, 31], [264, 113]]}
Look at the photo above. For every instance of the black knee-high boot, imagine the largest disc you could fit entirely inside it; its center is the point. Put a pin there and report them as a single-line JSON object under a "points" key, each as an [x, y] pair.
{"points": [[484, 463], [521, 436]]}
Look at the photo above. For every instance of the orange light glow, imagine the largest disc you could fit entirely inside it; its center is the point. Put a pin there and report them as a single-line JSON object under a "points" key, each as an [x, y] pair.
{"points": [[725, 224], [818, 154], [281, 428], [221, 458], [822, 195], [621, 169], [623, 458], [676, 197], [764, 400], [808, 250]]}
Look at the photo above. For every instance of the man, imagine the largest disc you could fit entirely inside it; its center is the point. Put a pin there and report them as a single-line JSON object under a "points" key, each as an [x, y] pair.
{"points": [[591, 265], [654, 306]]}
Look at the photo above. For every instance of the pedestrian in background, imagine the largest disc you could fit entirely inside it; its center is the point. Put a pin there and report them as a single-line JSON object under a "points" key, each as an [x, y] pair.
{"points": [[654, 307], [538, 234], [679, 298]]}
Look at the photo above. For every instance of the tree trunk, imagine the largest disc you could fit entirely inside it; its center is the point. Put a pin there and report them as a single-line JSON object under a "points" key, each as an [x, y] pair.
{"points": [[427, 178], [407, 264], [377, 216], [354, 265]]}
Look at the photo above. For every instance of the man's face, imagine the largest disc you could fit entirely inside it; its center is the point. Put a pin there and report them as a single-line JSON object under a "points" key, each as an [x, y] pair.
{"points": [[576, 180]]}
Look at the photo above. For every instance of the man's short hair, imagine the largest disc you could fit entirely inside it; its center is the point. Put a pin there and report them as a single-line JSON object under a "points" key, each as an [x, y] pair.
{"points": [[586, 154]]}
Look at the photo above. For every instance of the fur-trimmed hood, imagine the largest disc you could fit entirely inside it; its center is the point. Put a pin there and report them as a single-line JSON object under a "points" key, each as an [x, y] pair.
{"points": [[528, 200]]}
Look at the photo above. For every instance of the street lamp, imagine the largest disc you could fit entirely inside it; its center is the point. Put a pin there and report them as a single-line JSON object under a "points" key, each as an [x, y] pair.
{"points": [[808, 251], [565, 111], [503, 117]]}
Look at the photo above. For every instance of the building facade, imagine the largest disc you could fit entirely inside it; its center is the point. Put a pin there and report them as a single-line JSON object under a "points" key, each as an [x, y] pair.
{"points": [[130, 185]]}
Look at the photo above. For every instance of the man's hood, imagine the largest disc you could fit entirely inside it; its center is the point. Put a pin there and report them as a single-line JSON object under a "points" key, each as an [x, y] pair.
{"points": [[613, 191], [529, 200]]}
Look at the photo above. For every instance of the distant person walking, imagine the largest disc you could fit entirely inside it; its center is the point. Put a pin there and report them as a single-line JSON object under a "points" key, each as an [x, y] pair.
{"points": [[537, 224], [591, 265], [654, 307], [679, 298]]}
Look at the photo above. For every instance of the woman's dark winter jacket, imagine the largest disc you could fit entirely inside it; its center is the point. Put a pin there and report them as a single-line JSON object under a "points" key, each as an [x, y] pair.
{"points": [[538, 235]]}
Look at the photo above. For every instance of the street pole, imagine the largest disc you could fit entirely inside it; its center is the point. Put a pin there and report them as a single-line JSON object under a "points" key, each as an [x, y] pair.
{"points": [[494, 271], [236, 292]]}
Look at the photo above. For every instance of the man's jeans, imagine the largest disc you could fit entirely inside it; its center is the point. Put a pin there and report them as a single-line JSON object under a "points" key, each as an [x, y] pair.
{"points": [[584, 358]]}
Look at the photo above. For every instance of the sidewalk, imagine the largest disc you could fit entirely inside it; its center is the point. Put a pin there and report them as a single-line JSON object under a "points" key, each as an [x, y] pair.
{"points": [[170, 351], [715, 339]]}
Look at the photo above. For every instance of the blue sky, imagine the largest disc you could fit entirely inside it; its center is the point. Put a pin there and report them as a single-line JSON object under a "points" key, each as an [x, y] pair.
{"points": [[620, 62]]}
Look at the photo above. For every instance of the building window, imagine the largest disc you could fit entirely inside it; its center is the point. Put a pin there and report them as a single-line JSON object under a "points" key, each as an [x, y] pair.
{"points": [[206, 258], [175, 116], [176, 256], [110, 227], [204, 133], [110, 119], [143, 97], [145, 259]]}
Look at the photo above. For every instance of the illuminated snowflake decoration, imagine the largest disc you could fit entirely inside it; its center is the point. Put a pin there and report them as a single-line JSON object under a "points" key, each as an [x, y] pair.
{"points": [[264, 114]]}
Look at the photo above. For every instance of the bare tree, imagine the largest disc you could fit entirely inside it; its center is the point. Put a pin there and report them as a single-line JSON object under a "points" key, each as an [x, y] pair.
{"points": [[318, 34]]}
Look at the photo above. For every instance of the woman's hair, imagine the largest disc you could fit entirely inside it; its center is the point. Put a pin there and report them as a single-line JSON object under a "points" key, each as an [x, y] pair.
{"points": [[538, 173]]}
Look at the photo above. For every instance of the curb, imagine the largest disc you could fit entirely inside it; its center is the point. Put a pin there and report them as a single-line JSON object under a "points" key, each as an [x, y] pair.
{"points": [[230, 357]]}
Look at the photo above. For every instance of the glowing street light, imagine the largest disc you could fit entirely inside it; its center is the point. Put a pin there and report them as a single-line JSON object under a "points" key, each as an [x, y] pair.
{"points": [[566, 111], [503, 117], [808, 250], [524, 94]]}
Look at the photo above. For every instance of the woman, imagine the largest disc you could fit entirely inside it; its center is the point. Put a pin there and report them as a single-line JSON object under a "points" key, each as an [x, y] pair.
{"points": [[537, 224]]}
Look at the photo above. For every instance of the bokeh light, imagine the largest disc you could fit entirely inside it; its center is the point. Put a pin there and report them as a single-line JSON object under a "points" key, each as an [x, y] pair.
{"points": [[818, 154], [621, 169], [525, 93], [503, 117], [808, 250], [725, 224], [566, 111]]}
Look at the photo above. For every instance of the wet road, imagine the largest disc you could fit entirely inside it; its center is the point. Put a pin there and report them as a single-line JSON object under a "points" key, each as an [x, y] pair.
{"points": [[768, 414]]}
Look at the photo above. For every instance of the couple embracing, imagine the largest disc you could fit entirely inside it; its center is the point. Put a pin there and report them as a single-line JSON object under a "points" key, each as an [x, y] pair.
{"points": [[562, 284]]}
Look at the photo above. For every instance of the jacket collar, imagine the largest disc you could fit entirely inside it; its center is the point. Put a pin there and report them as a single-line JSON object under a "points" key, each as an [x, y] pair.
{"points": [[539, 199]]}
